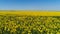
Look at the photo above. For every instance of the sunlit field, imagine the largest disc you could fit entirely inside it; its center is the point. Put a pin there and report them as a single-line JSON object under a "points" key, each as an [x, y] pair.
{"points": [[29, 22]]}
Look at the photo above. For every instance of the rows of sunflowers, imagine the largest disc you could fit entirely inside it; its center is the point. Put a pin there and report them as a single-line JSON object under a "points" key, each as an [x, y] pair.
{"points": [[23, 24]]}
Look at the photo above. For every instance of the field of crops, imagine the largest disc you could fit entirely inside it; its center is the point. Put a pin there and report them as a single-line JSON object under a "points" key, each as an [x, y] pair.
{"points": [[27, 24]]}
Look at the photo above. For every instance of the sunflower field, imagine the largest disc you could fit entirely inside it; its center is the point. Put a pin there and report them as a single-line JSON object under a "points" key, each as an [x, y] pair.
{"points": [[23, 24]]}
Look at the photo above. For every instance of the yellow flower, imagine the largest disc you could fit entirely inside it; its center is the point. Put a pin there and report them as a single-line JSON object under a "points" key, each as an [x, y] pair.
{"points": [[29, 31], [8, 29], [23, 32], [5, 28], [13, 30], [55, 26], [34, 28], [58, 33]]}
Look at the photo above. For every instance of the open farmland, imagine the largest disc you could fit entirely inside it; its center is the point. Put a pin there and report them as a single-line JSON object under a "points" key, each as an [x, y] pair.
{"points": [[29, 22]]}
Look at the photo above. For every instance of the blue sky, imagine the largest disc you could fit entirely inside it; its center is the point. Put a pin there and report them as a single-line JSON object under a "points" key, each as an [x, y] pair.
{"points": [[29, 4]]}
